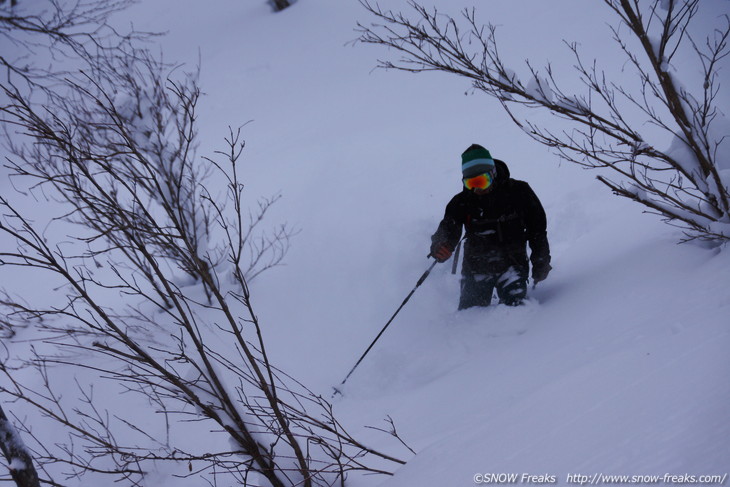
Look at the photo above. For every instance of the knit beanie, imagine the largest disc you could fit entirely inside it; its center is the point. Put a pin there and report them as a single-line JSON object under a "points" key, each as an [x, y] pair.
{"points": [[476, 160]]}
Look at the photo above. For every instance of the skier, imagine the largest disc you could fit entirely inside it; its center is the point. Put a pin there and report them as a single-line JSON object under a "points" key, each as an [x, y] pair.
{"points": [[501, 215]]}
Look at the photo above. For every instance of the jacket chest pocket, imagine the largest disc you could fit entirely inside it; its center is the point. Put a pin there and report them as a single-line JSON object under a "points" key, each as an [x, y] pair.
{"points": [[507, 228]]}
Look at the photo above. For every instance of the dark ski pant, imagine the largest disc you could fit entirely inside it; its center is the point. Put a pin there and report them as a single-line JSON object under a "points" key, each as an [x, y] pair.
{"points": [[477, 289]]}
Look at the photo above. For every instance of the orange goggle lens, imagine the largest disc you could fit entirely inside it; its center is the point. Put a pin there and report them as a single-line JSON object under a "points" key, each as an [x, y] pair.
{"points": [[482, 181]]}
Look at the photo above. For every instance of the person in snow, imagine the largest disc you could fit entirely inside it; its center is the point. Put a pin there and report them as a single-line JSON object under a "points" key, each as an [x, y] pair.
{"points": [[501, 216]]}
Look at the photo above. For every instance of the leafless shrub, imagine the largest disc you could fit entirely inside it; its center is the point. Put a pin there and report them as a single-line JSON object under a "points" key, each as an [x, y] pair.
{"points": [[152, 267], [116, 149], [42, 37], [19, 459], [686, 183]]}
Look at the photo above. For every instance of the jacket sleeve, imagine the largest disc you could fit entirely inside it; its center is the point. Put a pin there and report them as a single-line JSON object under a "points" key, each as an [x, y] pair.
{"points": [[536, 225], [449, 230]]}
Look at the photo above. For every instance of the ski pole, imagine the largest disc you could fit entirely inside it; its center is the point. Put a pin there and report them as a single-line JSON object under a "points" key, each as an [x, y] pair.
{"points": [[455, 264], [420, 281]]}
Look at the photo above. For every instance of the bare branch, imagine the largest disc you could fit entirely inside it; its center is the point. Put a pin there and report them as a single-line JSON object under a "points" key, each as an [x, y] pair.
{"points": [[683, 183]]}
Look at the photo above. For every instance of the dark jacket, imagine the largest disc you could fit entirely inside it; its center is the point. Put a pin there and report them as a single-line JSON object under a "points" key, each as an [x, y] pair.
{"points": [[498, 226]]}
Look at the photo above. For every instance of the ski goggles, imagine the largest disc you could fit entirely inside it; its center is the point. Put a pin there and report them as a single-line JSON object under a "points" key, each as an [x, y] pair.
{"points": [[480, 181]]}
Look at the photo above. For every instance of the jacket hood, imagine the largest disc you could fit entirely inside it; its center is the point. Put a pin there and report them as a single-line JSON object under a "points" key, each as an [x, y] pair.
{"points": [[502, 170]]}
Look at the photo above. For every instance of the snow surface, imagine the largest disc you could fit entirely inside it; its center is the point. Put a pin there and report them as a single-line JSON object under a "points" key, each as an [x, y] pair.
{"points": [[620, 361]]}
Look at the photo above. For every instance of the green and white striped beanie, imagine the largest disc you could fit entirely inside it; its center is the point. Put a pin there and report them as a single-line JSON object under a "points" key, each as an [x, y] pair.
{"points": [[476, 160]]}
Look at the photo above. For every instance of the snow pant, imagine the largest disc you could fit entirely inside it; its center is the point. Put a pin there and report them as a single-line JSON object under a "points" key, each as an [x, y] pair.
{"points": [[507, 274]]}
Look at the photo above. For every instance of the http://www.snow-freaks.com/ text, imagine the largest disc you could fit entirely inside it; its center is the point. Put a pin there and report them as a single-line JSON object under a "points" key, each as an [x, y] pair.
{"points": [[600, 479]]}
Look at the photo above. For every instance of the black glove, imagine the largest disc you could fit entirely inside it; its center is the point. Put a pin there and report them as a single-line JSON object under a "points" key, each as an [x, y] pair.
{"points": [[540, 272], [441, 252]]}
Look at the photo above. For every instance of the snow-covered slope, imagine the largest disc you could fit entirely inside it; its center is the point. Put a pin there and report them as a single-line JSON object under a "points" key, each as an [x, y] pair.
{"points": [[619, 362], [618, 365]]}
